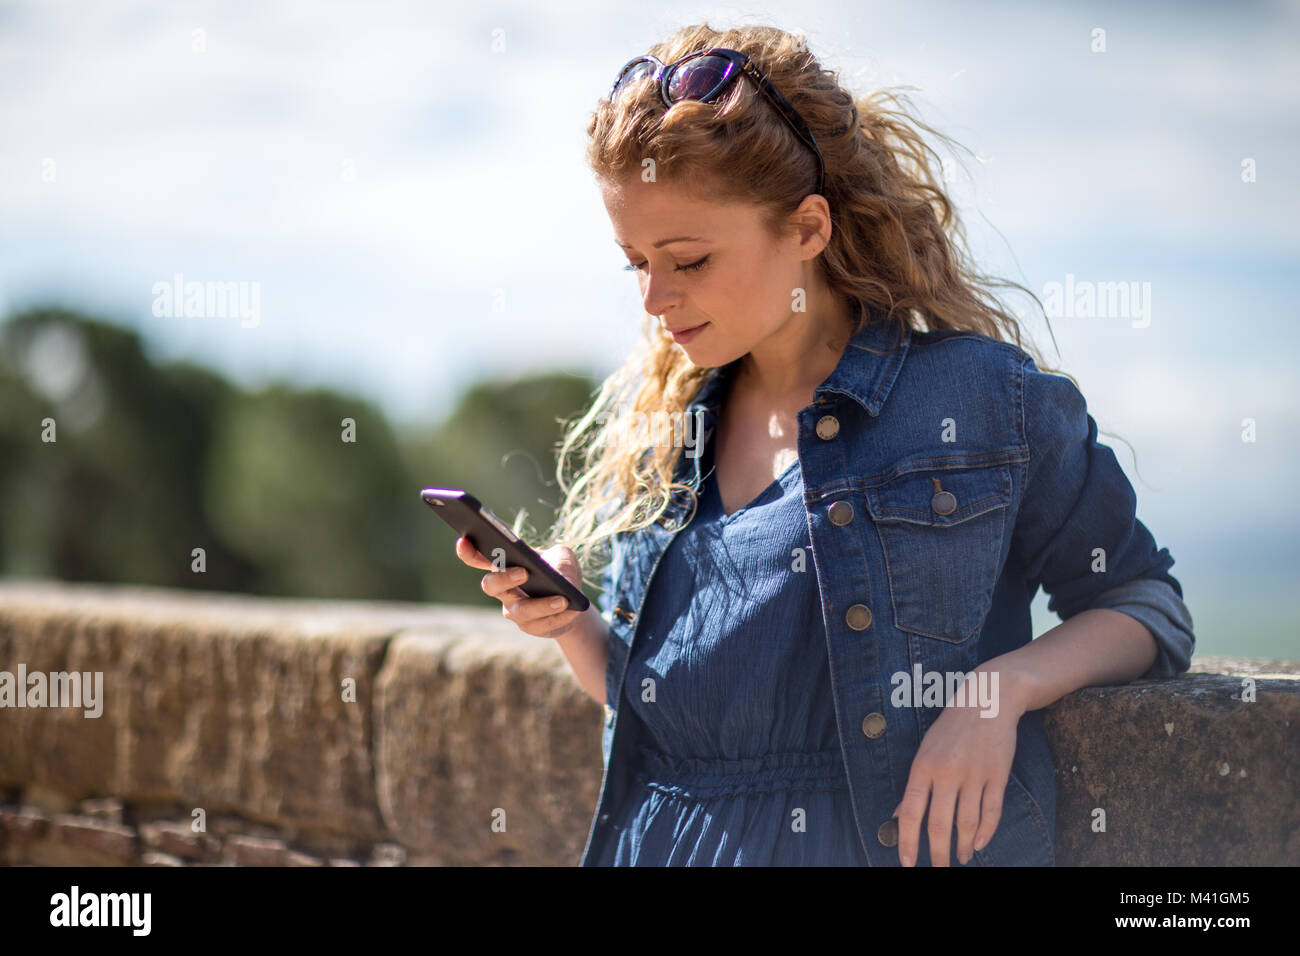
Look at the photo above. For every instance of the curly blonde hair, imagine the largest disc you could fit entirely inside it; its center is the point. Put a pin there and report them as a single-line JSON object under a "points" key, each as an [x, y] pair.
{"points": [[897, 246]]}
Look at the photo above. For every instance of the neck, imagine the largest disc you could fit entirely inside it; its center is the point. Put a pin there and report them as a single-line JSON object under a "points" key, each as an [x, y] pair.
{"points": [[802, 353]]}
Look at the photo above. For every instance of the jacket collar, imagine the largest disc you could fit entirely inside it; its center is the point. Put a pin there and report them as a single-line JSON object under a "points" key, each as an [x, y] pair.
{"points": [[865, 373]]}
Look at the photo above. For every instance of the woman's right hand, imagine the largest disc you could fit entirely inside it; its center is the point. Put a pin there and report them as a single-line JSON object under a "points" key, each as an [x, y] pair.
{"points": [[531, 615]]}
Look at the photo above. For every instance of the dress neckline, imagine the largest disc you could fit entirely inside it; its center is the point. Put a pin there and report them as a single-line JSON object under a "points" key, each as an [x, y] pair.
{"points": [[715, 493]]}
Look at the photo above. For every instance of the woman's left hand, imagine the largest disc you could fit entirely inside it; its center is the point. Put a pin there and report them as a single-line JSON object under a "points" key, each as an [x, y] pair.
{"points": [[962, 764]]}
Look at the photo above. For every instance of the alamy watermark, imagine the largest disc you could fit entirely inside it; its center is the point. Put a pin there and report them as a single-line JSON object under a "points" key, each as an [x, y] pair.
{"points": [[208, 300], [1103, 300], [75, 908], [645, 429], [946, 689], [56, 689]]}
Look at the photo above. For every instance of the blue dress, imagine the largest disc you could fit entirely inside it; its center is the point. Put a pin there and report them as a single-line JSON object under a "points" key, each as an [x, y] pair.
{"points": [[731, 678]]}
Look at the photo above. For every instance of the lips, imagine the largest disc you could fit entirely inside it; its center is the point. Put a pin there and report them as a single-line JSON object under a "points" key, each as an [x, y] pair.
{"points": [[688, 335]]}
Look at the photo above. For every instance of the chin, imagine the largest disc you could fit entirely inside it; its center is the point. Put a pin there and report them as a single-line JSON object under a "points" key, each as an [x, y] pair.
{"points": [[698, 357], [707, 358]]}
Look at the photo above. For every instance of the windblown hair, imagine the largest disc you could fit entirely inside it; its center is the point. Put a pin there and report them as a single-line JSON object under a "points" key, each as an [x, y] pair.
{"points": [[897, 246]]}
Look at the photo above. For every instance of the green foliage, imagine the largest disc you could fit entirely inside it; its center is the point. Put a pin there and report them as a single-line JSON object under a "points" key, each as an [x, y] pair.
{"points": [[112, 497], [324, 516], [500, 445], [153, 461]]}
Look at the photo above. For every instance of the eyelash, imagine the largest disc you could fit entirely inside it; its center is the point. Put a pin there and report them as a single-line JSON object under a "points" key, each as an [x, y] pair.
{"points": [[690, 267]]}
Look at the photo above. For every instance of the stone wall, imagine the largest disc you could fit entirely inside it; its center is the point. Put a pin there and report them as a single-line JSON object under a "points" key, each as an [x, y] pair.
{"points": [[251, 731]]}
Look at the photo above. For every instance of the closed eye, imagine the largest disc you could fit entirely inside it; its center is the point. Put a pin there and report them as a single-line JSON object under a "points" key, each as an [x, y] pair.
{"points": [[689, 267]]}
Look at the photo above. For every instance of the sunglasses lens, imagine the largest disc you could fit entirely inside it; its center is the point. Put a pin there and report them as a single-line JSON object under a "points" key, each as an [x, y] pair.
{"points": [[699, 77], [636, 71]]}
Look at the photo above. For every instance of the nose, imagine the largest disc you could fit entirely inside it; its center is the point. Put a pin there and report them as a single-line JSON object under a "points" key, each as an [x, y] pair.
{"points": [[659, 293]]}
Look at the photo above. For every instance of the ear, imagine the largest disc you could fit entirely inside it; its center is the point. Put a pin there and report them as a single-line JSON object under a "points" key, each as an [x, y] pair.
{"points": [[811, 223]]}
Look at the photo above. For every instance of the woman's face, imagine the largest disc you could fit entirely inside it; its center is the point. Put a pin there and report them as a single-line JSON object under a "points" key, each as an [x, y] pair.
{"points": [[706, 266]]}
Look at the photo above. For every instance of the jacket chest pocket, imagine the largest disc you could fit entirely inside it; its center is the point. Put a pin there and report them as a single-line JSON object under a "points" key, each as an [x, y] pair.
{"points": [[941, 533]]}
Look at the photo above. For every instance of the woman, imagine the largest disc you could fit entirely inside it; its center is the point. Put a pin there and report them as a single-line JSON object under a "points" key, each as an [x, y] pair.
{"points": [[814, 643]]}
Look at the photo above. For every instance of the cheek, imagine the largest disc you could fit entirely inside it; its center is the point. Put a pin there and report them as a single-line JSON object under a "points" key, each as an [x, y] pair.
{"points": [[768, 284], [750, 276]]}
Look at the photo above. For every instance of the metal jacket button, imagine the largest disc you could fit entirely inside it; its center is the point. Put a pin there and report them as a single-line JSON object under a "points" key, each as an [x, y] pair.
{"points": [[858, 617], [840, 513], [873, 725], [887, 833], [828, 426], [943, 502]]}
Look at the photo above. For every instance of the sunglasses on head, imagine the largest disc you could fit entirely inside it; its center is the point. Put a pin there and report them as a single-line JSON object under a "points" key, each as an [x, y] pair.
{"points": [[703, 76]]}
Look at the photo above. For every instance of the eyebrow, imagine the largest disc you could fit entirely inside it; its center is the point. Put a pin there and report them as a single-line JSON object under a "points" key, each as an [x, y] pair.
{"points": [[663, 242]]}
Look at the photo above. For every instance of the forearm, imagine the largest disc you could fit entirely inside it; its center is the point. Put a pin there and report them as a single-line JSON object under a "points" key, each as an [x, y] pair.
{"points": [[586, 646], [1095, 647]]}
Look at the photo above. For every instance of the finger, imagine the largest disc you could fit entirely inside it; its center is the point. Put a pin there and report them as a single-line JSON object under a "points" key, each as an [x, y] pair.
{"points": [[943, 801], [539, 615], [968, 818], [503, 585], [471, 555], [527, 610], [910, 812], [553, 625], [990, 812]]}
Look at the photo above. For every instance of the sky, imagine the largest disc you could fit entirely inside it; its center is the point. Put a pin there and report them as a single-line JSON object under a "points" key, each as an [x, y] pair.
{"points": [[404, 185]]}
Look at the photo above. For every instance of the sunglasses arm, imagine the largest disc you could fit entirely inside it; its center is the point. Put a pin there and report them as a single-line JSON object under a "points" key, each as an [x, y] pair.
{"points": [[792, 117]]}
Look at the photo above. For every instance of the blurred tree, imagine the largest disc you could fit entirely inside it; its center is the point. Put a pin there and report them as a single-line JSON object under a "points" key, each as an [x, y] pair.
{"points": [[21, 411], [324, 517], [113, 497], [499, 443], [154, 460]]}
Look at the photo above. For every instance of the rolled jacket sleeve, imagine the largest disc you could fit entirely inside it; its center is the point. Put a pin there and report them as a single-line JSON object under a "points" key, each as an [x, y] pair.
{"points": [[1077, 533]]}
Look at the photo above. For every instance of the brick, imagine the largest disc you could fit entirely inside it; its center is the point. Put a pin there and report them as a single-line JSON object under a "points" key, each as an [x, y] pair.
{"points": [[177, 839], [24, 823], [298, 858], [108, 809], [54, 852], [256, 851], [86, 833], [161, 859]]}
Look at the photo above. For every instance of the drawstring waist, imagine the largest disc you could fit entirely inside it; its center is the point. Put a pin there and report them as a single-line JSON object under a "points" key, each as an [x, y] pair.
{"points": [[700, 777]]}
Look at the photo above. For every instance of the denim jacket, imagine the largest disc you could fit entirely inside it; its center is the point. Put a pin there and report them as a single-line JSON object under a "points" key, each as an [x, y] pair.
{"points": [[946, 478]]}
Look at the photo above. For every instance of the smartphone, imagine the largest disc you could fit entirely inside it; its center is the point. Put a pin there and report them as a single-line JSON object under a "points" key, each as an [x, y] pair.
{"points": [[488, 533]]}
